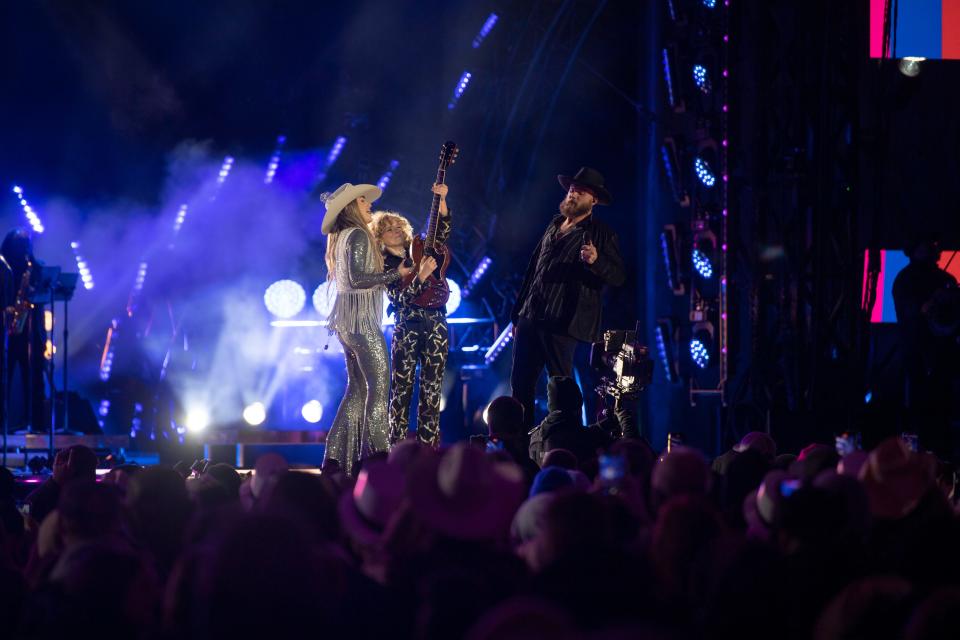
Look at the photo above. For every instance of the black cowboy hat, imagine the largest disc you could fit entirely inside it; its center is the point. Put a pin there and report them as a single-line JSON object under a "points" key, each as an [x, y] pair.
{"points": [[588, 179]]}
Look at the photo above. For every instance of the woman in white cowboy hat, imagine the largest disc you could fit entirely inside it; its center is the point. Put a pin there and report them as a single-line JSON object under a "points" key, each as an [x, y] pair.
{"points": [[355, 263]]}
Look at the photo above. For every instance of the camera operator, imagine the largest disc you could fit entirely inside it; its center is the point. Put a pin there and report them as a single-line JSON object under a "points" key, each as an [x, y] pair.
{"points": [[563, 427]]}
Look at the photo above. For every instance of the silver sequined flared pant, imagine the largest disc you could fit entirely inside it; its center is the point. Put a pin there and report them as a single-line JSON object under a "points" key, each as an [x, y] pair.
{"points": [[361, 425]]}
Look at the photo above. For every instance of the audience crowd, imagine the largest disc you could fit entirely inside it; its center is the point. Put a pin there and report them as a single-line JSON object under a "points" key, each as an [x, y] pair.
{"points": [[604, 538]]}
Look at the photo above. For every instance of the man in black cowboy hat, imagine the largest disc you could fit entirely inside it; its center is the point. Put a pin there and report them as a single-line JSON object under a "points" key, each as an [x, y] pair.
{"points": [[559, 301]]}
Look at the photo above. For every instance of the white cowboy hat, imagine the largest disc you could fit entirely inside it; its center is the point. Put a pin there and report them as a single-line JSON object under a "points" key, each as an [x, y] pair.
{"points": [[344, 195]]}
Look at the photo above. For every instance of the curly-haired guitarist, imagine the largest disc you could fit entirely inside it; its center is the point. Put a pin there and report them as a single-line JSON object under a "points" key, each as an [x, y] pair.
{"points": [[420, 335]]}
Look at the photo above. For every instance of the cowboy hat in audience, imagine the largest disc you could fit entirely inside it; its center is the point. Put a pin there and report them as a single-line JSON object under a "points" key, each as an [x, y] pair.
{"points": [[463, 494], [376, 496], [896, 479]]}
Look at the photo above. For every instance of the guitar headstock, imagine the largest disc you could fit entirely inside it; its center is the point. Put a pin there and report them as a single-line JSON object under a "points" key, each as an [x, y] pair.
{"points": [[448, 153]]}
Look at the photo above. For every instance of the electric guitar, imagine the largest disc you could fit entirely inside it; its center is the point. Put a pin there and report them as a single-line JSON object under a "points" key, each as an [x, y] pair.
{"points": [[436, 292]]}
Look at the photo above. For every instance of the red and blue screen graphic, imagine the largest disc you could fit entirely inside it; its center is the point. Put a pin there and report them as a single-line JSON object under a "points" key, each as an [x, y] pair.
{"points": [[891, 262], [920, 28]]}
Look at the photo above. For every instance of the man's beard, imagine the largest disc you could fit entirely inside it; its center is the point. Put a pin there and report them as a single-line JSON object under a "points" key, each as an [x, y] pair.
{"points": [[571, 210]]}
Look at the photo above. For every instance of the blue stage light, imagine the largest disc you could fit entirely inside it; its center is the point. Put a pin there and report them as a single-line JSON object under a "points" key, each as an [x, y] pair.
{"points": [[35, 223], [704, 173], [499, 344], [225, 170], [459, 89], [332, 156], [664, 337], [702, 264], [85, 275], [477, 275], [710, 4], [274, 160], [485, 30], [284, 298], [385, 178], [669, 248], [141, 277], [667, 76], [701, 78], [700, 353], [181, 216]]}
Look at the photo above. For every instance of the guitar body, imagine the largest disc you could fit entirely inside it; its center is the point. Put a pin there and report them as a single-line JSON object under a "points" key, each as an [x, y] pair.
{"points": [[436, 292]]}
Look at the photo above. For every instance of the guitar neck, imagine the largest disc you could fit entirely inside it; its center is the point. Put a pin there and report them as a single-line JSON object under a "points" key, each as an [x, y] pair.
{"points": [[431, 240]]}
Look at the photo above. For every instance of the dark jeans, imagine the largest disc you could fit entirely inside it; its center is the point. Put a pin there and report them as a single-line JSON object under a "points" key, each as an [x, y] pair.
{"points": [[533, 349]]}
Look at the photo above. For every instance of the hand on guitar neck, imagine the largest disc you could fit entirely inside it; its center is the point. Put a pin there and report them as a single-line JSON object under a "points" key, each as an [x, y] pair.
{"points": [[441, 190]]}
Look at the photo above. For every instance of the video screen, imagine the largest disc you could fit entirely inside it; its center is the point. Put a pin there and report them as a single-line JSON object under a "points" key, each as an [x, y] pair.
{"points": [[891, 262], [922, 28]]}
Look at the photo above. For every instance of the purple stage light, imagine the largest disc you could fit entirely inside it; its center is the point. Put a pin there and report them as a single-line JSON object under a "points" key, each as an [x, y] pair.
{"points": [[85, 275], [385, 178], [485, 30], [274, 160], [28, 211], [459, 89]]}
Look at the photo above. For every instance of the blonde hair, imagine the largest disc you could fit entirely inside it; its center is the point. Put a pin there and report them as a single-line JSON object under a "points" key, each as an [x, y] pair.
{"points": [[383, 219], [347, 219]]}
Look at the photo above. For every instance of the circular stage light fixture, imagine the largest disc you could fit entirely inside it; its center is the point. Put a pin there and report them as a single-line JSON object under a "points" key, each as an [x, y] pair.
{"points": [[255, 414], [704, 172], [700, 353], [284, 298], [910, 66], [323, 298], [702, 264], [453, 302], [312, 411], [198, 419]]}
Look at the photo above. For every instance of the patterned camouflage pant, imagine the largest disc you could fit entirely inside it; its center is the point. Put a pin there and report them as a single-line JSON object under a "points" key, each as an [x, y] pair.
{"points": [[425, 343]]}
